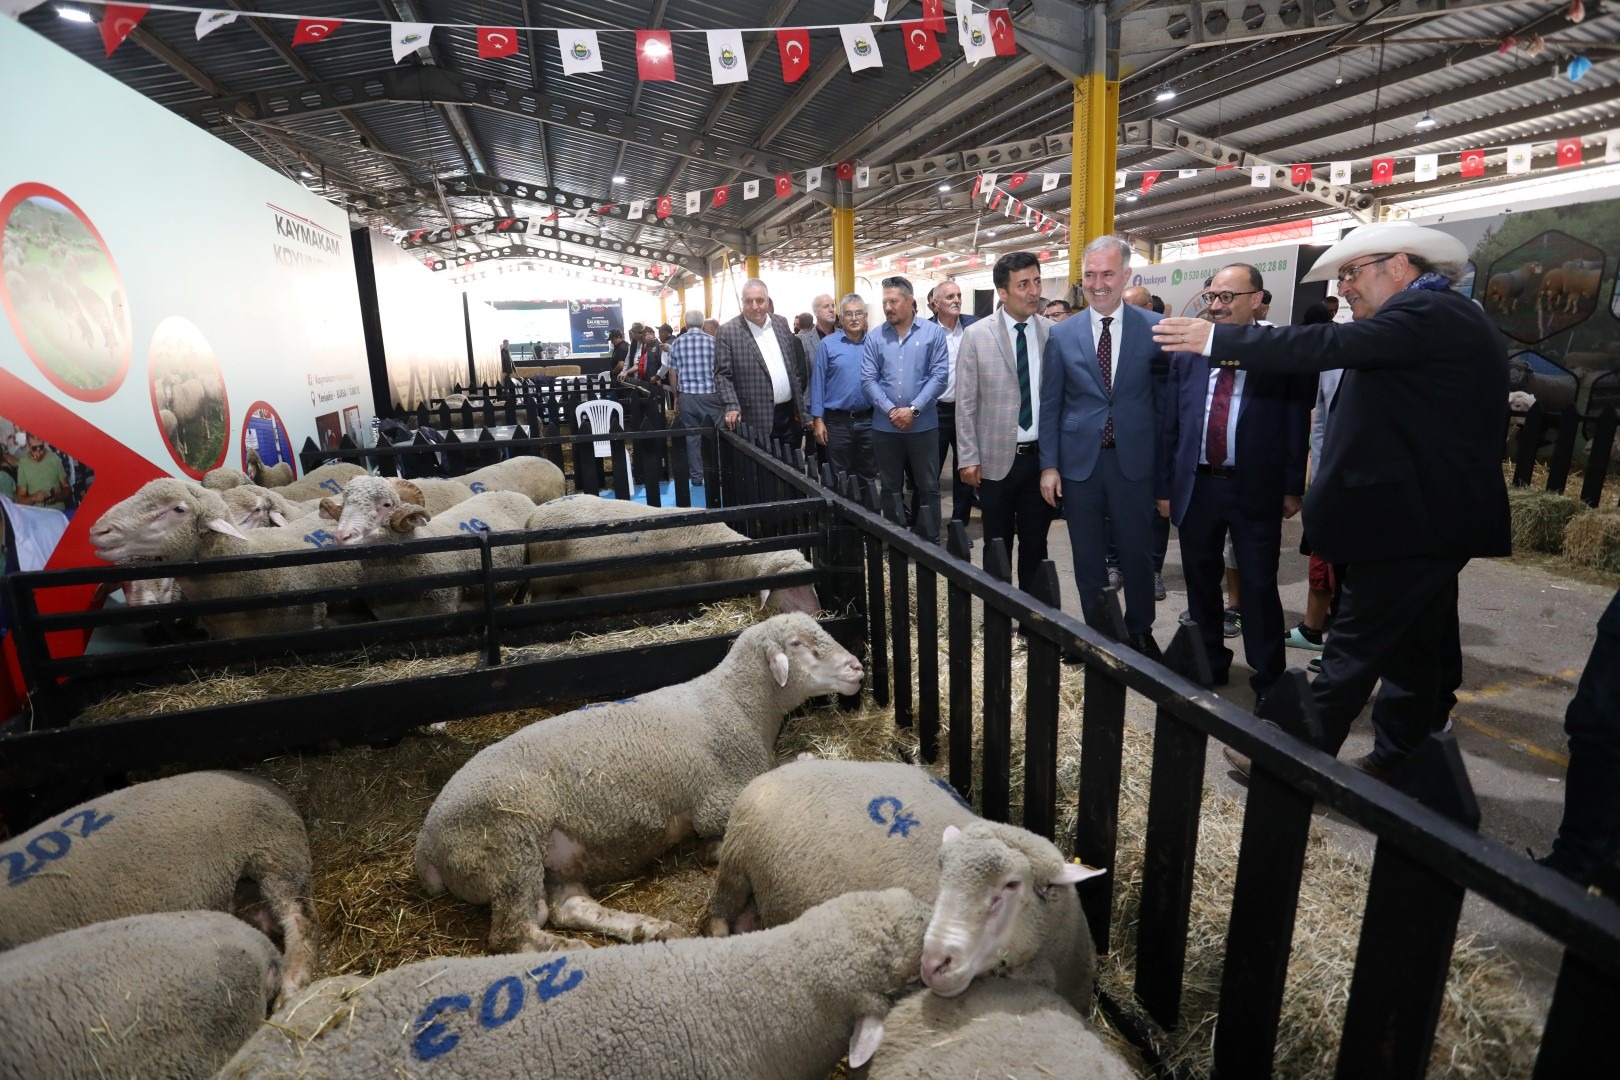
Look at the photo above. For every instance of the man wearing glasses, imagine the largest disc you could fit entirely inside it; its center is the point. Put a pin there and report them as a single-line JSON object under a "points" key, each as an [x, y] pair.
{"points": [[1411, 484], [840, 417], [41, 480], [1233, 458]]}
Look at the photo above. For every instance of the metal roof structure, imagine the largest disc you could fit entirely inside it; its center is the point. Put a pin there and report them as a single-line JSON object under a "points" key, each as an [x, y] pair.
{"points": [[446, 139]]}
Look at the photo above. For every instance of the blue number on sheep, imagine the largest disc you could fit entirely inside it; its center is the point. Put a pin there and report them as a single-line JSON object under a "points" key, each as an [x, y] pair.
{"points": [[900, 823]]}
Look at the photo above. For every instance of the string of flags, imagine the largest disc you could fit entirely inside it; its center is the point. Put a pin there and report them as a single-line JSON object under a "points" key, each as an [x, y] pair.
{"points": [[981, 32]]}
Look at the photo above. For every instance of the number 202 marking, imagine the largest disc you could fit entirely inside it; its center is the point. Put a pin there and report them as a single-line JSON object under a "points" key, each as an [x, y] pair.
{"points": [[49, 846]]}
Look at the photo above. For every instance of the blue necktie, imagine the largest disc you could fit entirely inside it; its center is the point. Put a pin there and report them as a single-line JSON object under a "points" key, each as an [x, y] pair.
{"points": [[1026, 408]]}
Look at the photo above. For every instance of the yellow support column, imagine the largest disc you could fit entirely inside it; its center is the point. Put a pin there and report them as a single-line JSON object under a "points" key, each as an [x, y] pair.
{"points": [[708, 296], [751, 264], [843, 250], [1095, 158], [663, 306], [681, 293]]}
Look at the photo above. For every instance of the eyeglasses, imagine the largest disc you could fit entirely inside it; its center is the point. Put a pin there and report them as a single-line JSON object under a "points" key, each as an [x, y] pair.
{"points": [[1347, 274], [854, 314], [35, 449], [1226, 297]]}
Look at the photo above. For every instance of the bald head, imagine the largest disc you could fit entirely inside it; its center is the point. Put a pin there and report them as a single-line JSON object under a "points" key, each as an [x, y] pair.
{"points": [[1138, 296]]}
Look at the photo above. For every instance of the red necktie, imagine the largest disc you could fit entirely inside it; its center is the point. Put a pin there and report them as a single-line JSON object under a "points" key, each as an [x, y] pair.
{"points": [[1105, 360], [1220, 409]]}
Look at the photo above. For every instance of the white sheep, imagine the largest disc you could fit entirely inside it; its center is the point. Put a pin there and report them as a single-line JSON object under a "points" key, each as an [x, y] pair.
{"points": [[269, 476], [189, 401], [535, 477], [321, 481], [878, 824], [998, 1028], [780, 1005], [177, 844], [223, 478], [661, 573], [258, 507], [171, 432], [533, 821], [435, 496], [171, 995]]}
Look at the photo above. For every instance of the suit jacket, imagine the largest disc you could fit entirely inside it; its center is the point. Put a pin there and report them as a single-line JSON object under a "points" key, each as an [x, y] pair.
{"points": [[1412, 459], [1074, 407], [987, 393], [740, 377], [1273, 437]]}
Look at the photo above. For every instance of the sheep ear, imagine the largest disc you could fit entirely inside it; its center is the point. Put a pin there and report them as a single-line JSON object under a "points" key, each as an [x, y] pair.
{"points": [[220, 525], [277, 517], [864, 1043], [951, 833], [1074, 872], [779, 667], [331, 508], [764, 598]]}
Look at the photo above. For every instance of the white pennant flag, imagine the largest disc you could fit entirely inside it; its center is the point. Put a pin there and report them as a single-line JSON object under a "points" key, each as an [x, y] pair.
{"points": [[638, 207], [1338, 172], [976, 42], [863, 176], [694, 201], [1182, 174], [1007, 207], [1519, 158], [580, 53], [880, 9], [1049, 182], [861, 47], [750, 189], [1119, 179], [408, 37], [987, 185], [812, 179], [1427, 167], [1611, 151], [1260, 176], [209, 21], [726, 61]]}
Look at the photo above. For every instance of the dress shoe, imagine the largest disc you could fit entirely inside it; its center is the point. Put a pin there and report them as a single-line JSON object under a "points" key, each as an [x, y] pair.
{"points": [[1116, 579], [1377, 772], [1144, 644], [1238, 761], [1315, 664], [1159, 592], [1219, 678]]}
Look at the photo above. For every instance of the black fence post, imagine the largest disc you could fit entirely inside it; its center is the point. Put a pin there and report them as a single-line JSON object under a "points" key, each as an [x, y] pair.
{"points": [[876, 619], [486, 565], [995, 782], [959, 660], [1096, 840], [34, 654], [1597, 459], [927, 662], [1569, 426], [900, 634], [1584, 1004], [1531, 432], [1041, 693]]}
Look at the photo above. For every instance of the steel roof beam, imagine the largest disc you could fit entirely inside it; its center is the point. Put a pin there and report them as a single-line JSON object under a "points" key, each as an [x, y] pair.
{"points": [[533, 36], [1357, 204]]}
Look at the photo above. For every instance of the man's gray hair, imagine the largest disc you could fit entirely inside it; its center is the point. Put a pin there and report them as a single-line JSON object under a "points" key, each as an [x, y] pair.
{"points": [[854, 296], [693, 317], [751, 282], [898, 282], [1106, 244], [933, 294]]}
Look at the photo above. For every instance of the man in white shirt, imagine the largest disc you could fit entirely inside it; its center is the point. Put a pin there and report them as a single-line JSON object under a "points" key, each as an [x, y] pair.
{"points": [[756, 364]]}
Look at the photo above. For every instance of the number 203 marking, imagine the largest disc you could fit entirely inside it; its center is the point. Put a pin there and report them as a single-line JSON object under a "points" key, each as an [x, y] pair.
{"points": [[49, 846]]}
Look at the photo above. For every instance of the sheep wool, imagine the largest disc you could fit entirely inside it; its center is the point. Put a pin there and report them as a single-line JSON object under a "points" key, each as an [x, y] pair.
{"points": [[177, 844], [224, 478], [535, 477], [592, 796], [270, 476], [321, 482], [171, 995], [781, 1005]]}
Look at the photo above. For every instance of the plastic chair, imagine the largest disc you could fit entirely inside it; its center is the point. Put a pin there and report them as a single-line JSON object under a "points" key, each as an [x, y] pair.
{"points": [[600, 413]]}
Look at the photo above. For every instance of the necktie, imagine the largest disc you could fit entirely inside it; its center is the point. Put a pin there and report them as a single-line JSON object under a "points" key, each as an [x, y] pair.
{"points": [[1220, 410], [1105, 360], [1026, 407]]}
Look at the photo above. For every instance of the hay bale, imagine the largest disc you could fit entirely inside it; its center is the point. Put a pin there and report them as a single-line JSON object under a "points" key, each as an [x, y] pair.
{"points": [[1539, 518], [555, 370], [1593, 539]]}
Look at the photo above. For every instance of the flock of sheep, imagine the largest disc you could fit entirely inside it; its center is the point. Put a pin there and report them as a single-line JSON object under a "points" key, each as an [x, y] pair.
{"points": [[188, 391], [1561, 289]]}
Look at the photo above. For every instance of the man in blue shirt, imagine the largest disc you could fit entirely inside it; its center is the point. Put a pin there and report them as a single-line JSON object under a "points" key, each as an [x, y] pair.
{"points": [[903, 372], [840, 417], [691, 368]]}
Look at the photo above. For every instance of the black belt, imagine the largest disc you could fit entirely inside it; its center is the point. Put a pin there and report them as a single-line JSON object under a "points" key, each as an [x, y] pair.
{"points": [[1225, 472], [1031, 447], [951, 405], [848, 414]]}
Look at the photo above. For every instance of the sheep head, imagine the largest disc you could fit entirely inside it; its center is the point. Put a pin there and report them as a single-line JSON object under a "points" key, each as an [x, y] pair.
{"points": [[803, 659], [794, 598], [166, 519], [256, 507], [371, 510]]}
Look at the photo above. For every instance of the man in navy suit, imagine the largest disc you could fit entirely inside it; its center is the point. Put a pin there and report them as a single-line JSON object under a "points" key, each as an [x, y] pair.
{"points": [[1102, 381], [1233, 458]]}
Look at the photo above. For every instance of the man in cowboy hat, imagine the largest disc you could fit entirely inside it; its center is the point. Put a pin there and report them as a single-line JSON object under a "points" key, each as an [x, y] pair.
{"points": [[1411, 483]]}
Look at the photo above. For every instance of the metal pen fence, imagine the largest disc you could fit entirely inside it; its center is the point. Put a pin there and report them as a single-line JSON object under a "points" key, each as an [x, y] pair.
{"points": [[1568, 431]]}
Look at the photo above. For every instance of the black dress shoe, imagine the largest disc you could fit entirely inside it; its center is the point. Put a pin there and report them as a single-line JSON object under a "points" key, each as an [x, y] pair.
{"points": [[1144, 644], [1219, 678]]}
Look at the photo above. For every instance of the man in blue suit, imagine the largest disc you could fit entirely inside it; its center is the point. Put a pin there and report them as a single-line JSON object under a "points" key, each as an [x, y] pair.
{"points": [[1102, 381], [1233, 458]]}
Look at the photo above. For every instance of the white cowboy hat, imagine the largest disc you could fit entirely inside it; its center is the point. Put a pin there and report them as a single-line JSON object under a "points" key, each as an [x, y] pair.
{"points": [[1445, 251]]}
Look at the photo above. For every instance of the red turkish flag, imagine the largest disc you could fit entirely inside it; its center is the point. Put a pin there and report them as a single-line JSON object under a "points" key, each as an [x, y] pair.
{"points": [[939, 260], [1001, 32], [721, 195], [1383, 170], [1016, 180], [922, 47], [1149, 179], [496, 41], [1569, 153], [314, 30], [117, 20], [973, 260], [934, 15], [666, 206], [978, 186], [1222, 168], [1045, 254], [1299, 174], [794, 47], [784, 185], [846, 170], [901, 264], [1473, 163], [655, 57], [605, 208]]}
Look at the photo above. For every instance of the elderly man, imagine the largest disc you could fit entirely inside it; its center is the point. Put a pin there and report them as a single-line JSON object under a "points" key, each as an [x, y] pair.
{"points": [[1138, 296], [691, 381], [41, 480], [756, 364], [1411, 484], [903, 372], [945, 301], [840, 417]]}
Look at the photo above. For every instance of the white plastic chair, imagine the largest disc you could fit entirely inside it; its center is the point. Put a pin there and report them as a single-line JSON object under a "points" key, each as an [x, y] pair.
{"points": [[600, 413]]}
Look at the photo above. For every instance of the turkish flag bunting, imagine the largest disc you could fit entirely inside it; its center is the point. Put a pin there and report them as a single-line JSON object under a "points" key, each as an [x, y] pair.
{"points": [[1016, 180], [1473, 163], [666, 206], [794, 45], [721, 195], [978, 185], [1569, 153], [934, 15], [1383, 170], [901, 264], [922, 47], [1148, 180], [846, 170], [973, 260], [655, 59], [314, 30], [784, 185], [1299, 174], [1223, 168], [496, 41], [605, 208], [995, 198], [117, 20], [1001, 32]]}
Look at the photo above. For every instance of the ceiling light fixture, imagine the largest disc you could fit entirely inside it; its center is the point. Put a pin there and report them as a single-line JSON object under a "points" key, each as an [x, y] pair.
{"points": [[946, 186], [306, 174], [1425, 122], [1167, 93], [74, 14], [620, 180], [1131, 198]]}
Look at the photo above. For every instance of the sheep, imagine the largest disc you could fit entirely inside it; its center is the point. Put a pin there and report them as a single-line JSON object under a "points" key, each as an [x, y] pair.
{"points": [[998, 1028], [223, 478], [189, 401], [173, 520], [779, 1005], [177, 844], [435, 496], [878, 824], [1504, 290], [531, 822], [1581, 285], [1552, 290], [171, 432], [270, 476], [535, 477], [320, 482], [255, 507], [590, 509], [171, 995]]}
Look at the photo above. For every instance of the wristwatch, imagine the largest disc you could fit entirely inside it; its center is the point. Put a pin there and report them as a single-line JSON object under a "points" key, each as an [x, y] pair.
{"points": [[915, 412]]}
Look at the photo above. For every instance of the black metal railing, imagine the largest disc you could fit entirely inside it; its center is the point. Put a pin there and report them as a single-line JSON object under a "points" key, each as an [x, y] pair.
{"points": [[1568, 432]]}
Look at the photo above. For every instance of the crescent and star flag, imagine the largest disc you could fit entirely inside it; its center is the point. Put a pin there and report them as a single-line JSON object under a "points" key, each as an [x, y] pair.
{"points": [[1519, 159], [784, 185], [638, 207], [1299, 174], [494, 41], [794, 47], [863, 176], [846, 170], [1148, 180], [665, 206], [1473, 163], [1049, 181], [580, 53], [721, 194], [860, 47], [922, 47], [1339, 172], [409, 37], [314, 30], [934, 15], [694, 202], [1383, 170], [1260, 176], [901, 264], [995, 197], [812, 179], [1611, 149], [1001, 32], [655, 59], [1569, 153], [1017, 179], [975, 35], [726, 61], [989, 182], [117, 20], [209, 21], [750, 189], [1425, 167]]}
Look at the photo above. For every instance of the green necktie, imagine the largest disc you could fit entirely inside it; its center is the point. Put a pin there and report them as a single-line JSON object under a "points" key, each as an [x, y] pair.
{"points": [[1026, 408]]}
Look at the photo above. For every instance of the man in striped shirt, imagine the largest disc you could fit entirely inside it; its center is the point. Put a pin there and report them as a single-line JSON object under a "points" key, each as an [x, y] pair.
{"points": [[691, 381]]}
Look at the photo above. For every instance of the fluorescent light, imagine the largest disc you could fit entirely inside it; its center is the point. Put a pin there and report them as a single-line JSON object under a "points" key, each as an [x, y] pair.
{"points": [[1131, 198], [74, 14], [1425, 122], [306, 174], [946, 186], [620, 180], [1167, 93]]}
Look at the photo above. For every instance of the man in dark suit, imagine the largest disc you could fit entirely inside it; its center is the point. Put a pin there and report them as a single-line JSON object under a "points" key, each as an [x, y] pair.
{"points": [[1102, 380], [757, 361], [945, 301], [1411, 484], [1233, 458]]}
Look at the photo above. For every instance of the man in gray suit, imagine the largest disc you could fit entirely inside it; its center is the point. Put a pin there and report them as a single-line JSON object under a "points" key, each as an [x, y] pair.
{"points": [[757, 361], [1102, 383], [998, 388]]}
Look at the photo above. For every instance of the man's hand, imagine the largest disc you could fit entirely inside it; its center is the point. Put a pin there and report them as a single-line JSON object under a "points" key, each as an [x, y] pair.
{"points": [[819, 430], [1291, 505], [1182, 335], [1164, 507], [1051, 487], [969, 475], [900, 416], [732, 416]]}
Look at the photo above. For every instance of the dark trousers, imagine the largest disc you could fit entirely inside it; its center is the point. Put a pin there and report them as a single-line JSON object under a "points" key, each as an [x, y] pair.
{"points": [[1396, 621], [1161, 542], [961, 494], [1257, 544], [849, 443], [1107, 507], [785, 425], [896, 450], [1589, 835], [1013, 507]]}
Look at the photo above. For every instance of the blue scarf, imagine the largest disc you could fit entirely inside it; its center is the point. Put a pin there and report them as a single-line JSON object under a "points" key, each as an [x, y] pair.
{"points": [[1431, 282]]}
